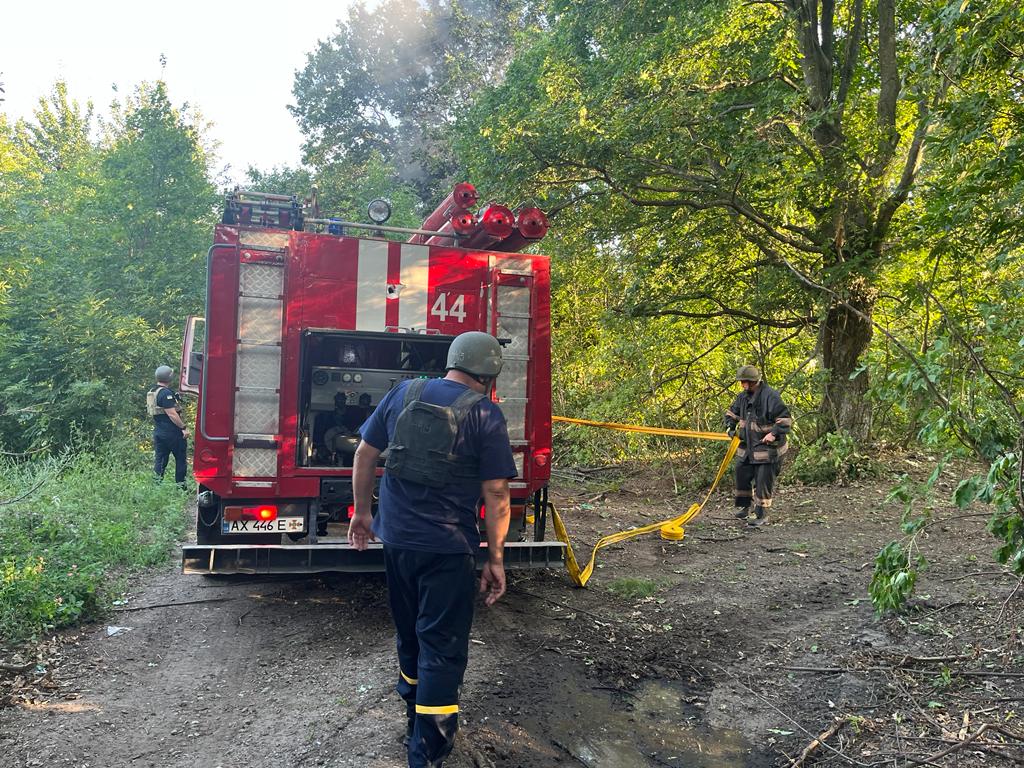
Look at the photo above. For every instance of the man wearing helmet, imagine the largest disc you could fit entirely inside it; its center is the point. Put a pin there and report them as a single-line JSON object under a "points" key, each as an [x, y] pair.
{"points": [[447, 448], [762, 421], [169, 431]]}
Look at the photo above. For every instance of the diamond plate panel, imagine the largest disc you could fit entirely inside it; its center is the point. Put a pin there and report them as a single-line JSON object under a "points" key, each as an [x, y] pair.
{"points": [[256, 412], [518, 457], [512, 379], [515, 415], [258, 366], [265, 280], [255, 462], [259, 319], [257, 239], [517, 329], [515, 264], [513, 299]]}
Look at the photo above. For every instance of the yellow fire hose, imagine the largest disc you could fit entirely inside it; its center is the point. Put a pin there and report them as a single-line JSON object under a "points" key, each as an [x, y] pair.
{"points": [[672, 529]]}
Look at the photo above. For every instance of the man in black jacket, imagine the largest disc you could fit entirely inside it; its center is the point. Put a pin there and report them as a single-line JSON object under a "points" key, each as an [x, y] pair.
{"points": [[762, 421]]}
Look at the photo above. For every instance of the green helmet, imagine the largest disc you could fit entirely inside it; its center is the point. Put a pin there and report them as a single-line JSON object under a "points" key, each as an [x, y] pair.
{"points": [[748, 373], [475, 353], [163, 374]]}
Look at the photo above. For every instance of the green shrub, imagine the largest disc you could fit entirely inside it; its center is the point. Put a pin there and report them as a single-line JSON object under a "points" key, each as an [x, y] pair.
{"points": [[896, 570], [86, 518], [835, 458]]}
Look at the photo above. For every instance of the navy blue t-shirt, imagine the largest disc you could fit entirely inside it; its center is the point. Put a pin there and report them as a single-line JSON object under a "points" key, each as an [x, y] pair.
{"points": [[165, 398], [441, 520]]}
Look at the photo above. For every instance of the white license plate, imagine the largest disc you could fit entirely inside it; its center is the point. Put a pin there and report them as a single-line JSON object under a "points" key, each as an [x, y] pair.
{"points": [[280, 525]]}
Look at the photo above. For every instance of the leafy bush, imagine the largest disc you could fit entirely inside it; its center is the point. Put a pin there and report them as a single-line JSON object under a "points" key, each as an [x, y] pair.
{"points": [[836, 458], [1000, 488], [91, 517], [896, 569]]}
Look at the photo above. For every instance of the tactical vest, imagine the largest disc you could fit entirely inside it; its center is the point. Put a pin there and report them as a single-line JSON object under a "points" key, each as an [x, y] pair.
{"points": [[421, 449], [152, 409]]}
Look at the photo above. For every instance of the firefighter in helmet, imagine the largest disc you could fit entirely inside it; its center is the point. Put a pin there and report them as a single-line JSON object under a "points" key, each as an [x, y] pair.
{"points": [[762, 421], [169, 431], [447, 449]]}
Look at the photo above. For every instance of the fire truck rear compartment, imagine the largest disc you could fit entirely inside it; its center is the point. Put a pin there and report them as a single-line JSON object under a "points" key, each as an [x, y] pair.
{"points": [[344, 375]]}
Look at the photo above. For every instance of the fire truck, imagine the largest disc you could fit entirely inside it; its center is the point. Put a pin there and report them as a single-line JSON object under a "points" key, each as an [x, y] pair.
{"points": [[309, 322]]}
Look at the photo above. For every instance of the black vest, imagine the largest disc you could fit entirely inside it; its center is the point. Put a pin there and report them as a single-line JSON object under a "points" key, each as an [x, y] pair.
{"points": [[421, 449]]}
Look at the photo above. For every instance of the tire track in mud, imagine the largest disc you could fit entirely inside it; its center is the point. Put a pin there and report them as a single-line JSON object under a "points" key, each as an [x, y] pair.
{"points": [[285, 673]]}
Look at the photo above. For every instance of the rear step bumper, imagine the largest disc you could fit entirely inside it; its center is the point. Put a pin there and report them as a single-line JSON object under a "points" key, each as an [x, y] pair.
{"points": [[319, 558]]}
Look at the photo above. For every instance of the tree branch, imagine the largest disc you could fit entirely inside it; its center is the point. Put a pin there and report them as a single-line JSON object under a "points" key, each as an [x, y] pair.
{"points": [[958, 423], [800, 322], [890, 87], [851, 52]]}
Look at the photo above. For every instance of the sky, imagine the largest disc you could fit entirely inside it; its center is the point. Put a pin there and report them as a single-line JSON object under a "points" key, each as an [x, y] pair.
{"points": [[234, 61]]}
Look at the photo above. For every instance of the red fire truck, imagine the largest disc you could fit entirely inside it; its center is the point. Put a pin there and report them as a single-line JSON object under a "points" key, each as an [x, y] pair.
{"points": [[309, 322]]}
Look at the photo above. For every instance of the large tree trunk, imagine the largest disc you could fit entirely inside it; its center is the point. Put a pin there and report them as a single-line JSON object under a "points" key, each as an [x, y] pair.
{"points": [[845, 336]]}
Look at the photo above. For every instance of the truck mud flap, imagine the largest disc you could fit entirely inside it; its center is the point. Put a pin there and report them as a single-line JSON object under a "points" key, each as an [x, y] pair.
{"points": [[320, 558]]}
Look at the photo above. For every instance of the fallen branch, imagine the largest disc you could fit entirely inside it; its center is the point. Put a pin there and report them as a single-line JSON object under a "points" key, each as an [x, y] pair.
{"points": [[954, 672], [1009, 597], [172, 605], [817, 742], [930, 659], [755, 694], [955, 748]]}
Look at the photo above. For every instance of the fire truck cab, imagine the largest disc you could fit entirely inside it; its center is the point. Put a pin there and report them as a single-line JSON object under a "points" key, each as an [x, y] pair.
{"points": [[309, 323]]}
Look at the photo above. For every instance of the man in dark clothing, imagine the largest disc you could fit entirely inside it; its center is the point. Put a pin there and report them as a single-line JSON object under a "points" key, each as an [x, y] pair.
{"points": [[447, 447], [762, 421], [169, 431]]}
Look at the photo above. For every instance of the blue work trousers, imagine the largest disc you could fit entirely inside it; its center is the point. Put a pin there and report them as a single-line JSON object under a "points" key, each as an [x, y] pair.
{"points": [[167, 443], [431, 598]]}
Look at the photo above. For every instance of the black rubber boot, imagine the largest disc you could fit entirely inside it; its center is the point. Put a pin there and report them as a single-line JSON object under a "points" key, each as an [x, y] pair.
{"points": [[743, 513], [759, 514]]}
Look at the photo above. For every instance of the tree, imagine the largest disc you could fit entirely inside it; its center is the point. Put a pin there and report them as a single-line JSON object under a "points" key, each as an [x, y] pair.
{"points": [[393, 78], [778, 142], [105, 243]]}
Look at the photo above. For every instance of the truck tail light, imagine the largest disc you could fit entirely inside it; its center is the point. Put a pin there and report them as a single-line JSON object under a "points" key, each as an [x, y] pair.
{"points": [[542, 457], [351, 511], [483, 511], [264, 512]]}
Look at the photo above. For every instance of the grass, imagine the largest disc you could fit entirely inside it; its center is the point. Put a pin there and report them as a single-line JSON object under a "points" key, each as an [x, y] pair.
{"points": [[632, 588], [87, 519]]}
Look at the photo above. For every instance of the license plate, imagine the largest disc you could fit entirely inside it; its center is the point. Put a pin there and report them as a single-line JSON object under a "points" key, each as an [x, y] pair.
{"points": [[280, 525]]}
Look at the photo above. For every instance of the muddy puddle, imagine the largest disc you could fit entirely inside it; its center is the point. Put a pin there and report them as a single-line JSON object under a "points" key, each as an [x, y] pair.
{"points": [[651, 726]]}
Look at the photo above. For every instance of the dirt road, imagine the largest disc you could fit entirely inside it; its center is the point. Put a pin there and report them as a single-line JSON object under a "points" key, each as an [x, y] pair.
{"points": [[752, 643]]}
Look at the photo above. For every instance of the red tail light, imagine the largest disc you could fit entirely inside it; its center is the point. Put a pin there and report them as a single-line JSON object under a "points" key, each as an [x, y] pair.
{"points": [[351, 511], [483, 512], [266, 513]]}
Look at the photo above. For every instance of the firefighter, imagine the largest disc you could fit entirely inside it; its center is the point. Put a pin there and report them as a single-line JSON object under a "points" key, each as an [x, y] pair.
{"points": [[762, 421], [448, 449], [169, 431]]}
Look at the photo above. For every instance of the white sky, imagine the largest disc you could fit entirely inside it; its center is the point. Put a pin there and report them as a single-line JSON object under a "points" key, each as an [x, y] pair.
{"points": [[235, 61]]}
